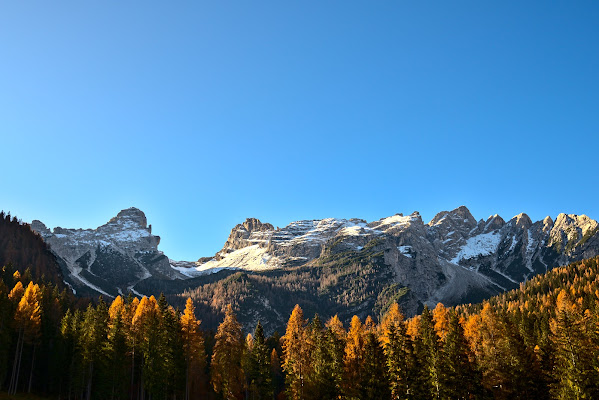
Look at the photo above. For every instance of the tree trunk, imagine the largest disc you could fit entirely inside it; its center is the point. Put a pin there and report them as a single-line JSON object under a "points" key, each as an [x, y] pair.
{"points": [[132, 389], [31, 372], [89, 381], [187, 382], [19, 366], [18, 363], [11, 386], [71, 378]]}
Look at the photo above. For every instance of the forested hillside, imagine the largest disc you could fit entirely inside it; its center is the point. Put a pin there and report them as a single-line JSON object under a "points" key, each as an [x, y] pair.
{"points": [[540, 341], [24, 249]]}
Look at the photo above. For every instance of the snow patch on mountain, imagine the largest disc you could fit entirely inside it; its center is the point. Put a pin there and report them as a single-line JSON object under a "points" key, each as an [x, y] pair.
{"points": [[406, 251], [252, 258], [479, 245]]}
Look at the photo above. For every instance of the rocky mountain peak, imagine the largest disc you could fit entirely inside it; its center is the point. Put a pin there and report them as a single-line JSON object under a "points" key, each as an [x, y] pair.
{"points": [[493, 223], [570, 230], [254, 225], [251, 231], [567, 221], [453, 259], [522, 221], [111, 258], [547, 224], [463, 212], [39, 227], [130, 217]]}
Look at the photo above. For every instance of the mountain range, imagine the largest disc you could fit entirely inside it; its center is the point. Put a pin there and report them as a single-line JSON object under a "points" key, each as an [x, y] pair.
{"points": [[345, 266]]}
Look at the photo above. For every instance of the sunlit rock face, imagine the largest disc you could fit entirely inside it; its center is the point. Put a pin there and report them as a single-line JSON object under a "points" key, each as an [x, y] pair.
{"points": [[110, 259], [452, 259]]}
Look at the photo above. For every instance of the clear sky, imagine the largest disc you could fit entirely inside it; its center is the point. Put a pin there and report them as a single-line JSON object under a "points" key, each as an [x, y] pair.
{"points": [[203, 113]]}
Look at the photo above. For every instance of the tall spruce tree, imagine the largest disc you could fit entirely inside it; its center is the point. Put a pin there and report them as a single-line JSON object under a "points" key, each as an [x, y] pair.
{"points": [[336, 337], [295, 354], [375, 380], [92, 343], [193, 349], [258, 367], [429, 355], [321, 382], [116, 351], [460, 377], [577, 379], [354, 359], [398, 352], [226, 369]]}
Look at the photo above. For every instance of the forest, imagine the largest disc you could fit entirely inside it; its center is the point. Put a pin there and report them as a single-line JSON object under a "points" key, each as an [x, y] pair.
{"points": [[540, 341]]}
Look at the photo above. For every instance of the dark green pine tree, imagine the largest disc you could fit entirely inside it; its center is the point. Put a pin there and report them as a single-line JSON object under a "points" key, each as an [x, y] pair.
{"points": [[335, 348], [429, 355], [116, 360], [577, 379], [320, 384], [399, 359], [5, 316], [72, 334], [523, 367], [375, 381], [94, 332], [48, 365], [258, 367], [460, 377], [176, 374], [157, 359]]}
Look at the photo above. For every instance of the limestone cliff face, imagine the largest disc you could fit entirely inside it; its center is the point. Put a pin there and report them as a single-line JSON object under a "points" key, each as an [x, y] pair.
{"points": [[248, 233], [110, 259], [452, 259]]}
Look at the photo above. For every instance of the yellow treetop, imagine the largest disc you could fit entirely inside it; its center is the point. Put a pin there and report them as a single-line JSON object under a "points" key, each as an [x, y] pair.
{"points": [[369, 325], [249, 342], [17, 292], [295, 352], [117, 307], [193, 342], [188, 319], [294, 335], [393, 318], [146, 307], [28, 316], [414, 327], [564, 302], [355, 340], [336, 326], [472, 332], [441, 320]]}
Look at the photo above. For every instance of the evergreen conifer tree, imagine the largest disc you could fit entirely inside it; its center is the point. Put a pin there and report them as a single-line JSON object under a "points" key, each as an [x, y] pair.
{"points": [[193, 349], [226, 370], [295, 354]]}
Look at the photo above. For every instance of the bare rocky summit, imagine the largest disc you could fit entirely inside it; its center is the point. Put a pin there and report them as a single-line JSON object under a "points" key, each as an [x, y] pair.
{"points": [[452, 259]]}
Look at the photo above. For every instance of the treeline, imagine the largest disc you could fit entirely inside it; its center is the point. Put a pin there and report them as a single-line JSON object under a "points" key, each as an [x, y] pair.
{"points": [[538, 342]]}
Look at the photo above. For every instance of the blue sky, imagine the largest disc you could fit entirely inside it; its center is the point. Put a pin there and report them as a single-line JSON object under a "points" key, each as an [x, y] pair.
{"points": [[205, 113]]}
